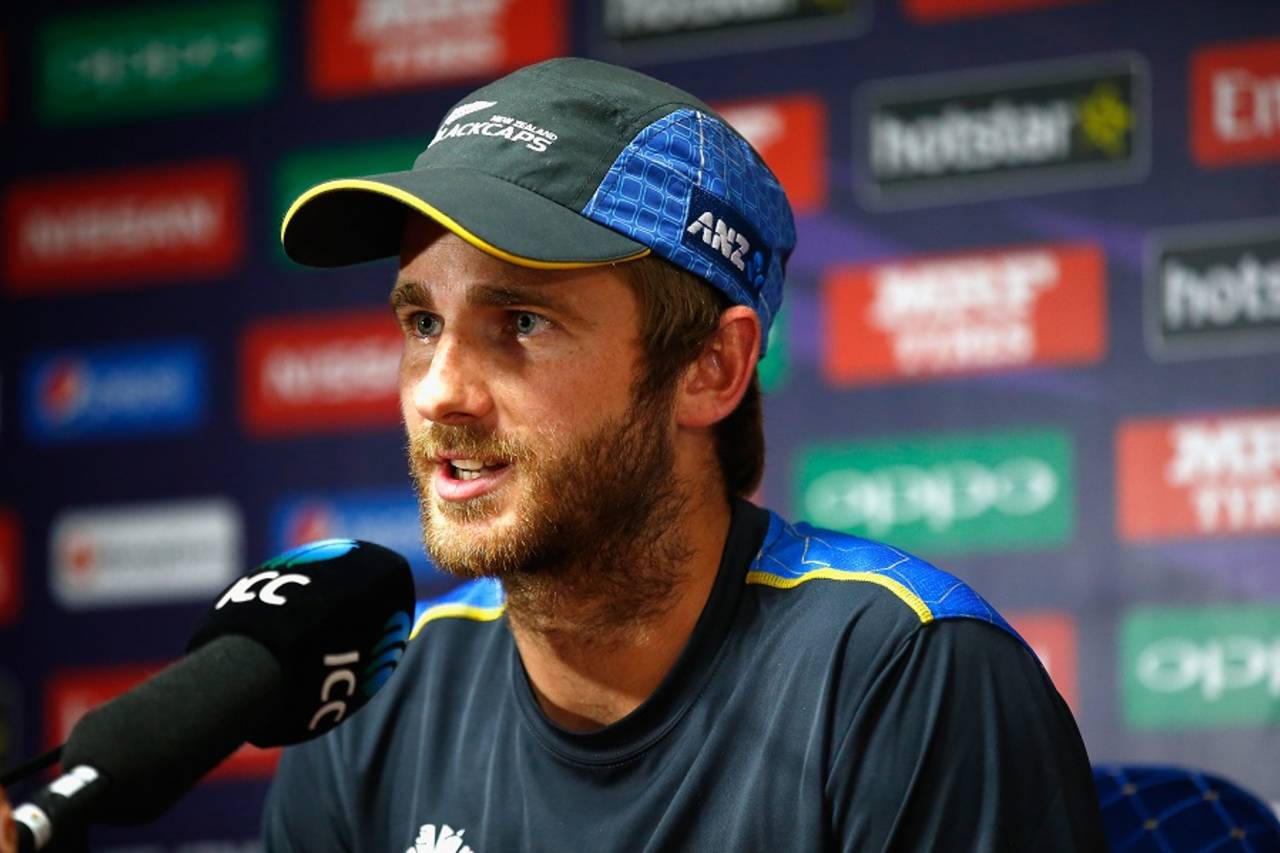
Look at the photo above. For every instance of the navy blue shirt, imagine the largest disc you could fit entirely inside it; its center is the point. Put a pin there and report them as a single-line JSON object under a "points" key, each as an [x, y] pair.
{"points": [[836, 694]]}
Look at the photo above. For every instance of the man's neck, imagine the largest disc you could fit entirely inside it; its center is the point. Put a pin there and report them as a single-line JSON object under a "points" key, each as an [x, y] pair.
{"points": [[594, 652]]}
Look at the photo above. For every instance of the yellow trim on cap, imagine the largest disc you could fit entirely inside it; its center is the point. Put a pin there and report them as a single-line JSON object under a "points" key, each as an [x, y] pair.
{"points": [[456, 610], [444, 219], [897, 588]]}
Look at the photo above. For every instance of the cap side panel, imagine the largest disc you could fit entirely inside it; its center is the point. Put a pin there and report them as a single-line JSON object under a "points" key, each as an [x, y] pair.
{"points": [[439, 216]]}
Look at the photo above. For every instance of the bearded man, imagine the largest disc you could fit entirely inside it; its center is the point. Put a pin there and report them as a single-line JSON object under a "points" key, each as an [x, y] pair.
{"points": [[640, 659]]}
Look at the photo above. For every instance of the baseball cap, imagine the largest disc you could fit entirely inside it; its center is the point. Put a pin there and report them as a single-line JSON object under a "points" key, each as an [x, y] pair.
{"points": [[572, 163]]}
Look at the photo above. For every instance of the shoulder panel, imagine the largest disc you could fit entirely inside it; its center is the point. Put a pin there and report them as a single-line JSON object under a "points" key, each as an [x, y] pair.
{"points": [[479, 600], [796, 554]]}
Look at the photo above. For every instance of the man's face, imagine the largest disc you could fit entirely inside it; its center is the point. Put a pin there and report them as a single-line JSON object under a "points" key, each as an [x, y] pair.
{"points": [[516, 390]]}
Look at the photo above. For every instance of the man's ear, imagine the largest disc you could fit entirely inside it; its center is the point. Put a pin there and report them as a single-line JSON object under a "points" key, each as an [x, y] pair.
{"points": [[714, 383]]}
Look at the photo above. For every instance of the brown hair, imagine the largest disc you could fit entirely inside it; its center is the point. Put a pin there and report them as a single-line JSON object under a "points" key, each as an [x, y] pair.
{"points": [[679, 312]]}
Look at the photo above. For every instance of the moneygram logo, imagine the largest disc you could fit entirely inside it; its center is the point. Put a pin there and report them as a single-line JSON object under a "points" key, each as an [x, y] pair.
{"points": [[1214, 290], [360, 46], [1213, 476], [934, 11], [93, 231], [638, 21], [317, 373], [10, 569], [947, 494], [1235, 103], [1195, 668], [70, 694], [1052, 636], [111, 392], [386, 516], [144, 553], [790, 132], [993, 310], [1003, 131], [155, 60]]}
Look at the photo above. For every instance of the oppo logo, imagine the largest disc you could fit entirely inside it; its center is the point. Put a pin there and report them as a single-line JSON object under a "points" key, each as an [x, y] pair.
{"points": [[939, 495], [1212, 666], [339, 678], [271, 582]]}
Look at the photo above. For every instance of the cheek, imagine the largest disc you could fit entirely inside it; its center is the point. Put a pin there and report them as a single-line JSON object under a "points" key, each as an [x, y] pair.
{"points": [[410, 372]]}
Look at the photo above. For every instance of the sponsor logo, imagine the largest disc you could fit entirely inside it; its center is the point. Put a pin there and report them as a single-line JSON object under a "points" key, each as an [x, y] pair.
{"points": [[386, 516], [1212, 476], [10, 570], [157, 59], [1198, 668], [94, 231], [316, 373], [633, 21], [359, 46], [945, 494], [70, 694], [144, 553], [982, 311], [1003, 131], [933, 11], [445, 840], [1214, 290], [497, 126], [790, 132], [1052, 635], [108, 392], [717, 232], [302, 170], [383, 658], [1235, 103]]}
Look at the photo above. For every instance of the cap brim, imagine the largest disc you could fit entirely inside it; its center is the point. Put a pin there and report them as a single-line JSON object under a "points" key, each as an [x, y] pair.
{"points": [[353, 220]]}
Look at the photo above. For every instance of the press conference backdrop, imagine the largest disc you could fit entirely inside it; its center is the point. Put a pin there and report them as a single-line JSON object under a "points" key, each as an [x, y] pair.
{"points": [[1031, 331]]}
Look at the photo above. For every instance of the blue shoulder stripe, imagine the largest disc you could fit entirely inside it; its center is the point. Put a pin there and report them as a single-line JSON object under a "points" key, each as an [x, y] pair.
{"points": [[480, 600], [796, 554]]}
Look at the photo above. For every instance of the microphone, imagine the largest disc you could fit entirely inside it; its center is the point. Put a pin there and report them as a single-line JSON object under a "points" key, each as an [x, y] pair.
{"points": [[285, 654]]}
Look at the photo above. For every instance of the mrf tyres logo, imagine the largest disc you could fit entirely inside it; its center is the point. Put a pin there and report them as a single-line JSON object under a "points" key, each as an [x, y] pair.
{"points": [[1003, 131], [1213, 476], [946, 494], [1214, 290], [1235, 103], [363, 46], [144, 554], [114, 392], [155, 59], [983, 311], [317, 373], [496, 126], [1197, 668]]}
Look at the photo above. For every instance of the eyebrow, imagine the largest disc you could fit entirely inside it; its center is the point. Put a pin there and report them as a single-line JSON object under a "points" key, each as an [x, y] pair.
{"points": [[412, 293]]}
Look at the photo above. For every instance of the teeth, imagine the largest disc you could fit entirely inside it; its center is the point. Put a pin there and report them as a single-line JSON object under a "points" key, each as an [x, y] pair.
{"points": [[468, 464], [464, 474]]}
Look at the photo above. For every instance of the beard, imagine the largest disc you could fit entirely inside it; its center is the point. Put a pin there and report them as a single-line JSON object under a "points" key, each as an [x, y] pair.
{"points": [[597, 519]]}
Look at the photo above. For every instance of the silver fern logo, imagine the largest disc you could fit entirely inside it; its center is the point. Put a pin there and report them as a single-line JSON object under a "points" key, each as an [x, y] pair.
{"points": [[447, 840]]}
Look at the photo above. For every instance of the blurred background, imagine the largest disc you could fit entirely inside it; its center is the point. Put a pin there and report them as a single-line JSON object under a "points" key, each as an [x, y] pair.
{"points": [[1031, 330]]}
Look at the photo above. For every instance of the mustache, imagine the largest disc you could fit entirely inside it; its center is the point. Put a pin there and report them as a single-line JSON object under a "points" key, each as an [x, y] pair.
{"points": [[471, 441]]}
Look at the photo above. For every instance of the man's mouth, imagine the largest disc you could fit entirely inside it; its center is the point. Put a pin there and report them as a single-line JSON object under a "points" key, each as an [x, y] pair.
{"points": [[471, 469]]}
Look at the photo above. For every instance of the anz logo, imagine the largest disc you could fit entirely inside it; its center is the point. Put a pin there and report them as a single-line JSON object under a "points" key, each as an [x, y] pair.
{"points": [[718, 235], [711, 234]]}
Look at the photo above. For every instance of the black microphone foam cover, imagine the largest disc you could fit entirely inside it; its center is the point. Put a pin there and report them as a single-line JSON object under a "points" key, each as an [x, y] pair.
{"points": [[336, 615]]}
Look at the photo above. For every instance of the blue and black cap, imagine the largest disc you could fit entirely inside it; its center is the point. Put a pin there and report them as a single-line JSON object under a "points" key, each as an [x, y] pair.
{"points": [[572, 163]]}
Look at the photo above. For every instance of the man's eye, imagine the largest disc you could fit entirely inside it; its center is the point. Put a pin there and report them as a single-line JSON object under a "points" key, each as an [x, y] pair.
{"points": [[425, 325], [529, 323]]}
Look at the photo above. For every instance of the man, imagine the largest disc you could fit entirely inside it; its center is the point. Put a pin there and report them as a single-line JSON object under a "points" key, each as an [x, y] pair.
{"points": [[642, 660]]}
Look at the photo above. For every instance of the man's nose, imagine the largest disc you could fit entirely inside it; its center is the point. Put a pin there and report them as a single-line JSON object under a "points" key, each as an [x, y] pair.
{"points": [[453, 389]]}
